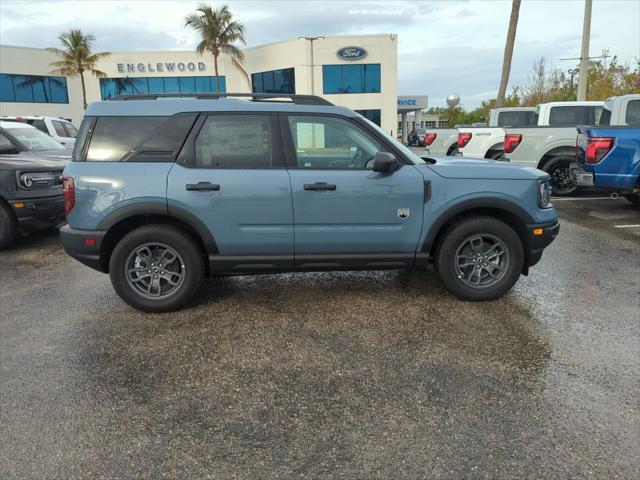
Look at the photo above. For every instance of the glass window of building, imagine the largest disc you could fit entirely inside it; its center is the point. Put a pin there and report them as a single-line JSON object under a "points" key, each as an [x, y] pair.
{"points": [[274, 81], [110, 87], [33, 89], [360, 78], [373, 115]]}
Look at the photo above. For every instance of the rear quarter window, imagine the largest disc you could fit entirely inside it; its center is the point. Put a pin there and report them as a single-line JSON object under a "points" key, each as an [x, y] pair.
{"points": [[632, 117], [137, 139]]}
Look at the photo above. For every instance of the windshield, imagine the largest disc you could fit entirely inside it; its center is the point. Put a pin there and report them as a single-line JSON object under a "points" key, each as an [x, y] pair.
{"points": [[34, 139], [71, 130], [416, 160]]}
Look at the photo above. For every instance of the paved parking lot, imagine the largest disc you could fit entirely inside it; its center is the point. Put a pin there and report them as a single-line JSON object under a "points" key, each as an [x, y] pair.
{"points": [[330, 375]]}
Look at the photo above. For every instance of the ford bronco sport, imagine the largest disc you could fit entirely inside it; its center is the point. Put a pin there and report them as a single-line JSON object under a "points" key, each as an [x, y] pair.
{"points": [[164, 190]]}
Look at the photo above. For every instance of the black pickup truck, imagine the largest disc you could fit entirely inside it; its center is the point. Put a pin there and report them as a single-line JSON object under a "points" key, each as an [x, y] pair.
{"points": [[30, 195]]}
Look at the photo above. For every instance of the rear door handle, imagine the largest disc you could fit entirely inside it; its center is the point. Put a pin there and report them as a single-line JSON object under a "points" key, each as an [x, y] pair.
{"points": [[319, 186], [203, 187]]}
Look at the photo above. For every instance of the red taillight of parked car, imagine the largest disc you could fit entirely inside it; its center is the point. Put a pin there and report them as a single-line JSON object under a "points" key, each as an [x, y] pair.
{"points": [[597, 148], [511, 141], [68, 194], [463, 139], [429, 138]]}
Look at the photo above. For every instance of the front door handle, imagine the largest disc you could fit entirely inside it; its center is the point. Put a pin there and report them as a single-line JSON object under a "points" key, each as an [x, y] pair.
{"points": [[203, 187], [319, 186]]}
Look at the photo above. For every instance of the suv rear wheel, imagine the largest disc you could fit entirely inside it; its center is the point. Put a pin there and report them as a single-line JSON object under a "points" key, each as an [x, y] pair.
{"points": [[156, 268], [8, 225], [479, 258]]}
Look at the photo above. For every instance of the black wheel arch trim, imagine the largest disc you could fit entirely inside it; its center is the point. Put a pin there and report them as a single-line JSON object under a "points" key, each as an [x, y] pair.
{"points": [[171, 211], [469, 205]]}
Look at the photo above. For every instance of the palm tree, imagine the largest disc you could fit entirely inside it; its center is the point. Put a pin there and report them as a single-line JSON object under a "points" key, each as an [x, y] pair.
{"points": [[508, 52], [219, 32], [77, 58]]}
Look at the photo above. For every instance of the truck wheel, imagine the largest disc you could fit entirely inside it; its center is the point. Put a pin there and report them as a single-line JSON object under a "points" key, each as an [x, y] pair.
{"points": [[562, 179], [479, 258], [499, 155], [156, 268], [8, 225], [633, 198]]}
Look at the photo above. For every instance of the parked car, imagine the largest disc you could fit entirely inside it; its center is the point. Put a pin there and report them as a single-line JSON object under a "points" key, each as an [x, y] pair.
{"points": [[488, 142], [610, 156], [57, 128], [165, 192], [30, 195], [18, 139], [416, 137], [553, 148]]}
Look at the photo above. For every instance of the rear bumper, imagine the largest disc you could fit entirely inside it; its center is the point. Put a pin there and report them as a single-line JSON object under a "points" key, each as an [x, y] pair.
{"points": [[73, 241], [35, 214], [539, 241]]}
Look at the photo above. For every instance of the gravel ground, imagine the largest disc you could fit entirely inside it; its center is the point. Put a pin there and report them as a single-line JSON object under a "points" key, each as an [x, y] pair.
{"points": [[329, 375]]}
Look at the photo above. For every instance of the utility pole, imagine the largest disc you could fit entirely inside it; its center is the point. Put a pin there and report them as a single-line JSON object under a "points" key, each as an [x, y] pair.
{"points": [[313, 71], [584, 53]]}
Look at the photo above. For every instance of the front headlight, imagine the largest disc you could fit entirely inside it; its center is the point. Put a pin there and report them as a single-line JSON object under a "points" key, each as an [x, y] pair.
{"points": [[544, 194]]}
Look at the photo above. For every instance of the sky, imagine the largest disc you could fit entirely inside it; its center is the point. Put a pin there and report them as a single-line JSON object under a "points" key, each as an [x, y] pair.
{"points": [[445, 46]]}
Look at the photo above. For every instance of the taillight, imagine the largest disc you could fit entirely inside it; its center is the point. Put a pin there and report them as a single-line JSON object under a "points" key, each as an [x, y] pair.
{"points": [[68, 194], [597, 148], [511, 141], [463, 139], [429, 138]]}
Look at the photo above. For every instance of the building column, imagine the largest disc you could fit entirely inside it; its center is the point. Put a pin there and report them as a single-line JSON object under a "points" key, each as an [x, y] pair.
{"points": [[404, 127], [418, 116]]}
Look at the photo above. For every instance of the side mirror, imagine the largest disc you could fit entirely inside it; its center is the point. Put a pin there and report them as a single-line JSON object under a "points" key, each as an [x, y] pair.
{"points": [[385, 162], [9, 150]]}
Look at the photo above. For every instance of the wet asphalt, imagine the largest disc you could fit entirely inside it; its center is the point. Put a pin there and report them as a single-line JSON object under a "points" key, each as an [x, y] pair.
{"points": [[329, 375]]}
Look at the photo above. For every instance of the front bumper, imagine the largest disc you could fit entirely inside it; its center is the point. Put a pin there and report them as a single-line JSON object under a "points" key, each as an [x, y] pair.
{"points": [[35, 214], [540, 237], [75, 244]]}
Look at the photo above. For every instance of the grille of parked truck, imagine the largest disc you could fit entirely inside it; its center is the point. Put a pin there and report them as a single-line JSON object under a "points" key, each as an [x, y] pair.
{"points": [[162, 192]]}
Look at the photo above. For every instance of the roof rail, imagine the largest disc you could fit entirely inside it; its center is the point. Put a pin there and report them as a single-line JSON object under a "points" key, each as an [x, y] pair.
{"points": [[256, 97]]}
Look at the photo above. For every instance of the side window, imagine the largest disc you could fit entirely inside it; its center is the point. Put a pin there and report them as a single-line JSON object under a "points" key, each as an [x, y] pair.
{"points": [[331, 143], [567, 116], [235, 141], [59, 128], [632, 117], [39, 124], [138, 139], [71, 130], [5, 142], [597, 115], [515, 119]]}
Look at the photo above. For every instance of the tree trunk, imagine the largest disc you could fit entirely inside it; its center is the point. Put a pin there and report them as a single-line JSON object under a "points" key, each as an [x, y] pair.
{"points": [[215, 67], [84, 91], [508, 52]]}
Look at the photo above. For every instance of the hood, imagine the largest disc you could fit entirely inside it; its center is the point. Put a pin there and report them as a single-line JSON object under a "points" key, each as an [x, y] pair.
{"points": [[31, 162], [452, 167]]}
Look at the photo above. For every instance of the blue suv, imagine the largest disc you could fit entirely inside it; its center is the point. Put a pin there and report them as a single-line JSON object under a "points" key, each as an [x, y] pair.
{"points": [[164, 191]]}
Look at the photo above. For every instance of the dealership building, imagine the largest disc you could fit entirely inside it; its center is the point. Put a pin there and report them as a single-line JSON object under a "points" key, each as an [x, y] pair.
{"points": [[359, 72]]}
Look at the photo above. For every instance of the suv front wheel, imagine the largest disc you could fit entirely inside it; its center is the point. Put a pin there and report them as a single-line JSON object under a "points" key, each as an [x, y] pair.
{"points": [[480, 258], [156, 268]]}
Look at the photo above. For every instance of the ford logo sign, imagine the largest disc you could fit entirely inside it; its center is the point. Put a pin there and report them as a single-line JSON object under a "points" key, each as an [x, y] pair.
{"points": [[351, 53]]}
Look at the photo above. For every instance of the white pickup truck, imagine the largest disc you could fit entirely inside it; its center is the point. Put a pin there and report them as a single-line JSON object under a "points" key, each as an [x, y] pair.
{"points": [[444, 141], [57, 128], [553, 148], [487, 142]]}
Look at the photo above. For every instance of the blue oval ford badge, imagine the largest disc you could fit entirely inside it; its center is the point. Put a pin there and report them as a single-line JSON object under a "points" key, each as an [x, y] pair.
{"points": [[351, 53]]}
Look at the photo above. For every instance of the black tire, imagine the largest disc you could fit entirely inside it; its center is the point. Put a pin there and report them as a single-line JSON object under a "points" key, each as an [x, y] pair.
{"points": [[633, 198], [460, 234], [562, 180], [191, 273], [496, 155], [8, 226], [453, 152]]}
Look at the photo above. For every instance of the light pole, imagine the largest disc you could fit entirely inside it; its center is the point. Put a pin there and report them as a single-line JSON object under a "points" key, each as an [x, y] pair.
{"points": [[311, 40], [584, 53]]}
